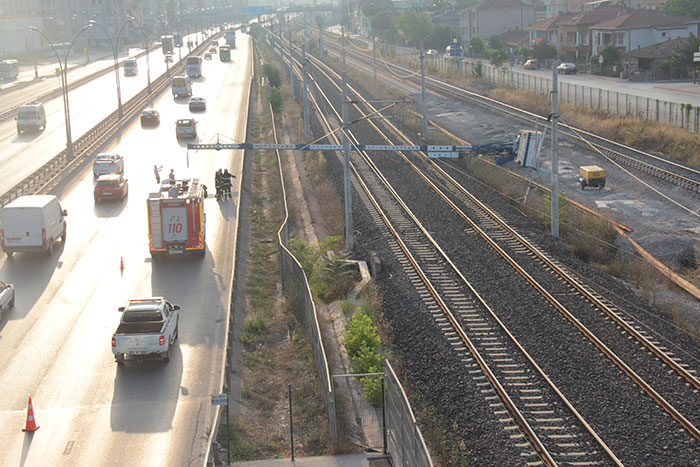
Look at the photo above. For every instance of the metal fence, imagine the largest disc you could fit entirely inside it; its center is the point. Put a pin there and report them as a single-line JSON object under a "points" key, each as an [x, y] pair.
{"points": [[296, 288], [677, 114], [404, 439], [359, 423]]}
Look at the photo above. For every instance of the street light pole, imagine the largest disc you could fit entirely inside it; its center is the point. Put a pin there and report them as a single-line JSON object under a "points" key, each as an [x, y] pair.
{"points": [[63, 69], [115, 51]]}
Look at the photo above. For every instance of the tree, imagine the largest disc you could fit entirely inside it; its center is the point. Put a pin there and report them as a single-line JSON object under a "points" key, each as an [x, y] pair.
{"points": [[383, 25], [415, 26], [371, 8], [476, 47], [544, 51], [494, 42], [612, 56], [689, 8], [682, 57], [497, 57], [439, 38]]}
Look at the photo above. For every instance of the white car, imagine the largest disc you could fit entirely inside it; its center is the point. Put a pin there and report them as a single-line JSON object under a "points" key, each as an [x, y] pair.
{"points": [[7, 296], [108, 164], [432, 53], [186, 128]]}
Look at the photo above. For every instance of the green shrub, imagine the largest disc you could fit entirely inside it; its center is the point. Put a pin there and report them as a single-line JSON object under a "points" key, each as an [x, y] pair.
{"points": [[276, 99], [360, 333]]}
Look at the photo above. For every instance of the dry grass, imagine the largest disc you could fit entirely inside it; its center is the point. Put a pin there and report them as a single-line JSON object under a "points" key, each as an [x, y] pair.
{"points": [[668, 140], [277, 350]]}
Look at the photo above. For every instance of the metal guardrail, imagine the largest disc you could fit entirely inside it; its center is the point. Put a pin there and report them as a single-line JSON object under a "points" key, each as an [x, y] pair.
{"points": [[60, 167]]}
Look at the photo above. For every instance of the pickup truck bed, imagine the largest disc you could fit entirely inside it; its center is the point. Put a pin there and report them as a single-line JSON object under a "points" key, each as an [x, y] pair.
{"points": [[140, 328]]}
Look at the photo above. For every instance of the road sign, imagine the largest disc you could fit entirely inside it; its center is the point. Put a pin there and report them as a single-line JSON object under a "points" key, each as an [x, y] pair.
{"points": [[696, 57], [600, 59], [258, 10], [219, 399]]}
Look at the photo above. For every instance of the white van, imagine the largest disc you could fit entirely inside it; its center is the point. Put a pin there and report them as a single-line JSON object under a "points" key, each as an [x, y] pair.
{"points": [[32, 223], [131, 67], [31, 116], [9, 69], [182, 86]]}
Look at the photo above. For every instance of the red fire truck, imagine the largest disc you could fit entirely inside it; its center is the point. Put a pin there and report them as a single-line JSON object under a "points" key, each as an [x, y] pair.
{"points": [[176, 218]]}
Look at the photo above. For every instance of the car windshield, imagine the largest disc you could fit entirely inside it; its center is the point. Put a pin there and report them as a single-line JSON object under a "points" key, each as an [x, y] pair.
{"points": [[142, 316], [108, 182], [26, 114], [179, 82], [184, 123], [104, 159]]}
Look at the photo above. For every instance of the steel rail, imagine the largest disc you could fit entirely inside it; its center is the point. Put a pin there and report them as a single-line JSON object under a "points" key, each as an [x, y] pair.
{"points": [[604, 145], [503, 393], [586, 332]]}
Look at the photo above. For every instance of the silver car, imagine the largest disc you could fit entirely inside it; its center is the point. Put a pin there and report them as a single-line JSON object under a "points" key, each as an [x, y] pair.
{"points": [[7, 296], [198, 104], [108, 164]]}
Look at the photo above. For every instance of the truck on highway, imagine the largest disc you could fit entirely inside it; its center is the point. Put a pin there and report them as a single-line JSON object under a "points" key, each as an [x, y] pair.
{"points": [[193, 66], [176, 218], [225, 53], [147, 329], [167, 44], [231, 39], [131, 67]]}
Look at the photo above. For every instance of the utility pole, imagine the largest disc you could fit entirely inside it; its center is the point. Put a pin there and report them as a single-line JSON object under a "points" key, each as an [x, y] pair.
{"points": [[281, 45], [306, 95], [555, 153], [349, 241], [422, 90], [374, 63], [291, 63]]}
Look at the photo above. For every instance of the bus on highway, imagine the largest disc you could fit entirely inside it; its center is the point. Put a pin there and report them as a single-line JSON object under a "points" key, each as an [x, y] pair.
{"points": [[193, 66], [167, 42], [9, 69], [225, 53]]}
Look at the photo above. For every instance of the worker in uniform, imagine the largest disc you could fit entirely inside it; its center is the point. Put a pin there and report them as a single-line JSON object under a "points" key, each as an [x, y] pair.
{"points": [[219, 184], [156, 171], [171, 175], [226, 177]]}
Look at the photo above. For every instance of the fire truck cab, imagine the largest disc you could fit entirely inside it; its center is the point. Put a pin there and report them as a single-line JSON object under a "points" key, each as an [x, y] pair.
{"points": [[176, 218]]}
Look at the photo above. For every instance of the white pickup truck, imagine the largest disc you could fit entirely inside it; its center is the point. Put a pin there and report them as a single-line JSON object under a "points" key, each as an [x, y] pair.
{"points": [[148, 328]]}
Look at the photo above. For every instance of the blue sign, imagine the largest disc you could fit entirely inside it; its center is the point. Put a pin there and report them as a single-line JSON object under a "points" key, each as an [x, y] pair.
{"points": [[219, 399], [258, 10]]}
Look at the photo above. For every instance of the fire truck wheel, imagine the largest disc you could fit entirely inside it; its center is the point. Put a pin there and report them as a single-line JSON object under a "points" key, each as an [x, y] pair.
{"points": [[200, 253]]}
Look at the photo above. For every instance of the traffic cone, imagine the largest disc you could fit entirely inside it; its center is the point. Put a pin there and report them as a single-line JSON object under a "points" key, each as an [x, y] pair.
{"points": [[121, 263], [31, 424]]}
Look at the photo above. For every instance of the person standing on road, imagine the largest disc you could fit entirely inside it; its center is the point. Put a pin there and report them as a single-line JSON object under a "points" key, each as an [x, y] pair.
{"points": [[156, 171], [171, 175], [226, 177], [218, 182]]}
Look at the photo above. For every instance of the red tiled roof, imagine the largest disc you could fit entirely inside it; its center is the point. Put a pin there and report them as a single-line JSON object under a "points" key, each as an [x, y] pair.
{"points": [[552, 22], [645, 18], [661, 50], [596, 15]]}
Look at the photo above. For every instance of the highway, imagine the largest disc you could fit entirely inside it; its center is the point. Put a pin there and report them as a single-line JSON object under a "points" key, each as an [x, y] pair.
{"points": [[55, 342]]}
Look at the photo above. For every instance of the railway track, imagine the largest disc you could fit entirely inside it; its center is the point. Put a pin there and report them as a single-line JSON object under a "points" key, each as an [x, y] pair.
{"points": [[56, 170], [510, 245], [659, 167]]}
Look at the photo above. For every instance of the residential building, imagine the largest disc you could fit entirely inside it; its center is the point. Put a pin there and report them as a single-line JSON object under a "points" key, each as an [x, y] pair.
{"points": [[494, 17], [14, 37], [512, 40], [575, 40], [648, 59], [548, 30], [641, 28], [448, 18]]}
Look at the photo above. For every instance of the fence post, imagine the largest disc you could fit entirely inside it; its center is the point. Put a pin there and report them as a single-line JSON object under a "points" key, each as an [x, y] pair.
{"points": [[384, 416], [291, 422]]}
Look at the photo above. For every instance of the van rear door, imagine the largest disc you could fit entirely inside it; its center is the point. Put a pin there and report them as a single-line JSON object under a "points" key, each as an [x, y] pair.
{"points": [[22, 226]]}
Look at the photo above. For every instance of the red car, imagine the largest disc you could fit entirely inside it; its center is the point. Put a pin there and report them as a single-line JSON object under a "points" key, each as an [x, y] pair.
{"points": [[111, 186]]}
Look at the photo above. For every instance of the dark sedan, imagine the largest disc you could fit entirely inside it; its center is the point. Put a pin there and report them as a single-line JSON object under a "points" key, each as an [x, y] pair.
{"points": [[150, 117]]}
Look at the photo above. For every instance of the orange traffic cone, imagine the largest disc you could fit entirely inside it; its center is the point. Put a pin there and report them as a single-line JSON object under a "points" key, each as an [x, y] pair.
{"points": [[121, 263], [31, 424]]}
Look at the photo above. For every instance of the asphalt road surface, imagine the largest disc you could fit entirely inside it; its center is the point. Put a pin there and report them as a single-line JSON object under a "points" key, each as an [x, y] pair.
{"points": [[55, 344]]}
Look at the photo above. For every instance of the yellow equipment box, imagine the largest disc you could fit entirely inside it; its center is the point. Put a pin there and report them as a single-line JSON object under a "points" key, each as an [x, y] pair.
{"points": [[591, 175]]}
